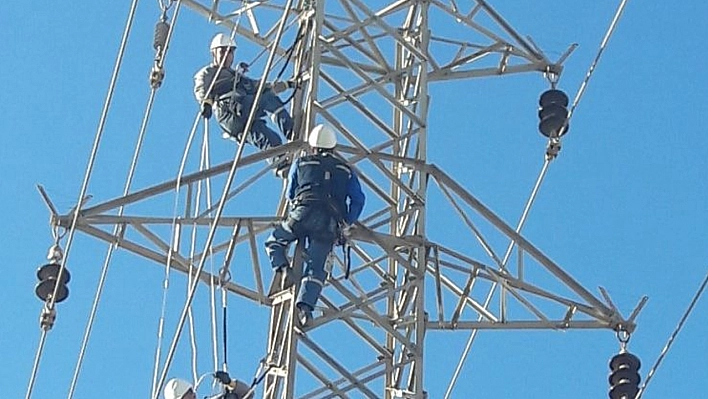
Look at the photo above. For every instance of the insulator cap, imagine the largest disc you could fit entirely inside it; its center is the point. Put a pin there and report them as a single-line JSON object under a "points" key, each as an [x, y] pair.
{"points": [[624, 391], [48, 276], [553, 113], [45, 290], [52, 270], [553, 96], [624, 376], [625, 360]]}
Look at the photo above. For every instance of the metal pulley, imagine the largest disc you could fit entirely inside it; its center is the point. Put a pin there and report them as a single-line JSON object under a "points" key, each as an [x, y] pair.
{"points": [[553, 113], [48, 276]]}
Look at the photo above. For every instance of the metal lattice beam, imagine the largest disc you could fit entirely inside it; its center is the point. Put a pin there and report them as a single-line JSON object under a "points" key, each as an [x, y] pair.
{"points": [[366, 72]]}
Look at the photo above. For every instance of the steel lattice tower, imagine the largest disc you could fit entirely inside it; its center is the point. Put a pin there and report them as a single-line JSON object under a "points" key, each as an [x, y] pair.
{"points": [[366, 72]]}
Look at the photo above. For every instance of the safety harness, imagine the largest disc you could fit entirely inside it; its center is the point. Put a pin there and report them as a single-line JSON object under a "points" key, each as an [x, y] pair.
{"points": [[322, 192]]}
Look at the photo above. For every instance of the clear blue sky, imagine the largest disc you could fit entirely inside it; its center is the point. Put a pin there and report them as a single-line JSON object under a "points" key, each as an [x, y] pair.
{"points": [[623, 207]]}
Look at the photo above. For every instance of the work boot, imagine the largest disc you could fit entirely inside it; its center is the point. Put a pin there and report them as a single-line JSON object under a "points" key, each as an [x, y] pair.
{"points": [[227, 136], [304, 315]]}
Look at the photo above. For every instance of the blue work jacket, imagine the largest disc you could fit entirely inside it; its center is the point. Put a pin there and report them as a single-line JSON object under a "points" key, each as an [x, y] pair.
{"points": [[324, 180]]}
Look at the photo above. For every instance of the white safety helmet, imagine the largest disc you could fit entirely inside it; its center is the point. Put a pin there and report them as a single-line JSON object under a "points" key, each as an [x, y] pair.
{"points": [[322, 137], [176, 388], [222, 40]]}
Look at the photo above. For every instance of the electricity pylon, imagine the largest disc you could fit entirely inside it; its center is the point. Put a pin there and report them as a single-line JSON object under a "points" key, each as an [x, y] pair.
{"points": [[366, 72]]}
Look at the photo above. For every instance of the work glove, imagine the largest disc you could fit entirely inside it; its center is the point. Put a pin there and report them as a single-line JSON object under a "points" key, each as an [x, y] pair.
{"points": [[241, 68], [206, 110], [223, 377]]}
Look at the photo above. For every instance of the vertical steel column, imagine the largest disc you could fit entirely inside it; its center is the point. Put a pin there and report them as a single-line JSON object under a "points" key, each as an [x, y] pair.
{"points": [[282, 337]]}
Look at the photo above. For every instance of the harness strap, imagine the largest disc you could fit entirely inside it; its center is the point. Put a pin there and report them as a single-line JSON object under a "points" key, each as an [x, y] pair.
{"points": [[347, 254]]}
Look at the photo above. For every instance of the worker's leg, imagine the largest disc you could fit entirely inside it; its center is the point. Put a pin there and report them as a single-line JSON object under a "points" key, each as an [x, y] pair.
{"points": [[277, 243], [262, 136], [272, 104], [321, 229], [231, 125], [313, 277]]}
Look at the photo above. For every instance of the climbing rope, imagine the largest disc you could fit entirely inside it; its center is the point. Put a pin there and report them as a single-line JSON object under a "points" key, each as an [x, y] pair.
{"points": [[192, 341], [672, 337], [288, 51], [174, 239], [224, 326], [212, 282], [190, 277], [224, 279], [222, 201], [84, 187], [204, 164], [180, 175], [261, 373]]}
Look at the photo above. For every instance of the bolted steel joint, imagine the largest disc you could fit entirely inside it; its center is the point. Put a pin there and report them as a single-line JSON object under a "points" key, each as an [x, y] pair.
{"points": [[157, 74], [47, 318], [55, 254]]}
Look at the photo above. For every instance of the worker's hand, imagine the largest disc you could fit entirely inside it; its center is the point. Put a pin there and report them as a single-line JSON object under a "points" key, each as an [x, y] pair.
{"points": [[206, 110], [279, 86], [223, 377], [242, 68]]}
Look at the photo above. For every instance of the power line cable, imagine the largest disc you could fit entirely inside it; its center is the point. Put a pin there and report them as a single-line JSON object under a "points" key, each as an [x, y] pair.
{"points": [[544, 169], [84, 187], [672, 337], [128, 185]]}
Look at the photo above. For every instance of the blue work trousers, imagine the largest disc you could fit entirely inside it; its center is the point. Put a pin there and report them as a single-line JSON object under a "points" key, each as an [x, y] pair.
{"points": [[315, 225], [260, 135], [233, 115], [272, 104]]}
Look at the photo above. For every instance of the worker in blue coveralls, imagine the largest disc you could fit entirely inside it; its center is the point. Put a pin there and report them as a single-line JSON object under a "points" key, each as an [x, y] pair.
{"points": [[232, 94], [325, 198]]}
